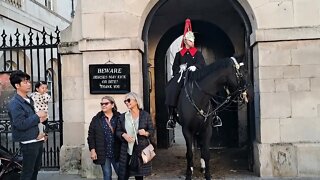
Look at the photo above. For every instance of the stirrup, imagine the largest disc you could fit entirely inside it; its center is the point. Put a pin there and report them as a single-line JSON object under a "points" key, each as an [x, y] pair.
{"points": [[171, 124], [217, 122]]}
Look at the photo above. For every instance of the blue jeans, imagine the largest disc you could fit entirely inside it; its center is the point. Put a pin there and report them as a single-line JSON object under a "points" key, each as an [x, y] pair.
{"points": [[31, 162], [107, 170]]}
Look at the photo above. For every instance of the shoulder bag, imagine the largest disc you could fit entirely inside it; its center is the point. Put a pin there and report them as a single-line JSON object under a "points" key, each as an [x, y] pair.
{"points": [[148, 153]]}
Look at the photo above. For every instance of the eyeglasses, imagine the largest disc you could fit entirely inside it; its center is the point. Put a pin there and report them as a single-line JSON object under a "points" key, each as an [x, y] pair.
{"points": [[127, 100], [25, 81], [106, 103]]}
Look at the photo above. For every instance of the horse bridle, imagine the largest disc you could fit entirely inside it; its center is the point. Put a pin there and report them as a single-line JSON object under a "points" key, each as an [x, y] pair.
{"points": [[210, 112]]}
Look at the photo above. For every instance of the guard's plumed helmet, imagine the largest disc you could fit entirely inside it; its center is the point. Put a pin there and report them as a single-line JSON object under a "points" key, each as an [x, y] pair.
{"points": [[187, 34]]}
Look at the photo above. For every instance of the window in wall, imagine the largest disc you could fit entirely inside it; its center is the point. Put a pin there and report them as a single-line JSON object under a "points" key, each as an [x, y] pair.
{"points": [[48, 4], [10, 66], [49, 82]]}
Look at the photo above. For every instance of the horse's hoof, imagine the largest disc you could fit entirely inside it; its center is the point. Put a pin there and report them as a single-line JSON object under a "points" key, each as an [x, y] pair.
{"points": [[189, 174], [208, 177]]}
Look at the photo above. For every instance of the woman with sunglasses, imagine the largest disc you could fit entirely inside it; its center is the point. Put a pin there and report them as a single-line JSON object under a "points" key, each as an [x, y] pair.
{"points": [[134, 129], [104, 146]]}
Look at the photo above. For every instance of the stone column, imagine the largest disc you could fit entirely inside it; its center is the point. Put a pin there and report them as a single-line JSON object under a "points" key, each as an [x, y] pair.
{"points": [[286, 48], [102, 32]]}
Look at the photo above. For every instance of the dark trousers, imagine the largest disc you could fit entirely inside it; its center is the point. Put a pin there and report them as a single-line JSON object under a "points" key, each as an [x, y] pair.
{"points": [[172, 90], [31, 162]]}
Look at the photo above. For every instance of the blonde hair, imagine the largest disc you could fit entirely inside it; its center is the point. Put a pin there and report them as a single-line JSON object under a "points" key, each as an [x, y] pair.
{"points": [[133, 95], [109, 98]]}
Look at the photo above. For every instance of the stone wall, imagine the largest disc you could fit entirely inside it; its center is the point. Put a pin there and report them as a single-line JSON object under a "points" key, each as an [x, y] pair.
{"points": [[287, 78], [285, 42], [102, 32]]}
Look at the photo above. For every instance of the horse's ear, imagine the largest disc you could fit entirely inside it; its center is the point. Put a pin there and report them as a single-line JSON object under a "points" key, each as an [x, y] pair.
{"points": [[239, 57]]}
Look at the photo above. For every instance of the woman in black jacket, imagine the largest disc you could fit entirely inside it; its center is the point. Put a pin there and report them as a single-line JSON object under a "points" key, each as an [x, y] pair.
{"points": [[103, 144], [134, 129]]}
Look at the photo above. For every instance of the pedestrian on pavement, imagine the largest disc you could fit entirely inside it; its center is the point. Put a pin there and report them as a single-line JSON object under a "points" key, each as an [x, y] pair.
{"points": [[24, 123], [104, 146], [134, 129], [187, 59]]}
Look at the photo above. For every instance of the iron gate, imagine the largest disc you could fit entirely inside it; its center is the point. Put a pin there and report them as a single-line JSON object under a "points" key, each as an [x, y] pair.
{"points": [[35, 53]]}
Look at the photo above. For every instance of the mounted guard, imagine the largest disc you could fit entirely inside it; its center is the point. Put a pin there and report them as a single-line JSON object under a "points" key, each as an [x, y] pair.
{"points": [[188, 58]]}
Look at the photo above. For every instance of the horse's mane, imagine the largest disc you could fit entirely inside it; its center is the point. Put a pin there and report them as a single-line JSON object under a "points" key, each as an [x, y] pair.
{"points": [[211, 68]]}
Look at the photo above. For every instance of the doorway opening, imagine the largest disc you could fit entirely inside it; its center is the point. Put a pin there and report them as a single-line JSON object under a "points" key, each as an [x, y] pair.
{"points": [[221, 29]]}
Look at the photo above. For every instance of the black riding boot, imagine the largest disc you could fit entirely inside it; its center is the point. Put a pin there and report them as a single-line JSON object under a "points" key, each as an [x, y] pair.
{"points": [[171, 124]]}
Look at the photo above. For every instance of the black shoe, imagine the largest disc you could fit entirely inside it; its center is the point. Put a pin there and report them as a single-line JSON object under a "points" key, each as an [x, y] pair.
{"points": [[217, 122], [171, 124]]}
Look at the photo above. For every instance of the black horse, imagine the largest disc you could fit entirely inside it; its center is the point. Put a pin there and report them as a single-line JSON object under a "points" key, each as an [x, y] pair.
{"points": [[196, 109]]}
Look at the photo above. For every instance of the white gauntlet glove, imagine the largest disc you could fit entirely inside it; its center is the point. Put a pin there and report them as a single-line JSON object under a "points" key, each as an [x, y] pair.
{"points": [[183, 67], [192, 68]]}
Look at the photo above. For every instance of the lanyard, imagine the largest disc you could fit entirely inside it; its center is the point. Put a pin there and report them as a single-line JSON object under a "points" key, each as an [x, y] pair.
{"points": [[109, 124]]}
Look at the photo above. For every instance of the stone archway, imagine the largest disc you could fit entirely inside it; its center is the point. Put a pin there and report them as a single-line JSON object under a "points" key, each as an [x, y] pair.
{"points": [[163, 27], [241, 23]]}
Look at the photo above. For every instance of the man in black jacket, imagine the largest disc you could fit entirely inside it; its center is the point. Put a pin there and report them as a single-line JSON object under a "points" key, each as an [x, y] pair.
{"points": [[24, 123]]}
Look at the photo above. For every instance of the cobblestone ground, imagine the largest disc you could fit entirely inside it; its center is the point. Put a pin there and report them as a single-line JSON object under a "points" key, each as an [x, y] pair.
{"points": [[171, 164], [225, 163]]}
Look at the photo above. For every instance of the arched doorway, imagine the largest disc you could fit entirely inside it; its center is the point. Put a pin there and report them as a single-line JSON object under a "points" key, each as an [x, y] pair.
{"points": [[222, 29]]}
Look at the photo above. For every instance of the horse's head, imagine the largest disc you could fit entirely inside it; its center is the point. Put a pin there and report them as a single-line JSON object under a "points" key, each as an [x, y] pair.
{"points": [[237, 80], [224, 73]]}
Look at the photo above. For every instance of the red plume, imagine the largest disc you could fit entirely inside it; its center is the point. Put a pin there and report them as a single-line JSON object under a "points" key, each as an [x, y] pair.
{"points": [[193, 50], [187, 27]]}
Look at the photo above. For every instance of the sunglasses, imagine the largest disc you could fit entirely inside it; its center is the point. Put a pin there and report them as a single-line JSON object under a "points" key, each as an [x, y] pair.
{"points": [[106, 103], [127, 100]]}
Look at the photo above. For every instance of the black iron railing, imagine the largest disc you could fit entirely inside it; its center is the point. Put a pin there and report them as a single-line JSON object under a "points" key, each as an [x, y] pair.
{"points": [[36, 54]]}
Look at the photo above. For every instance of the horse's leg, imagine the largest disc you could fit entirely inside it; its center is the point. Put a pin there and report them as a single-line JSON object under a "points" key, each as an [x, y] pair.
{"points": [[189, 155], [202, 163], [205, 152]]}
